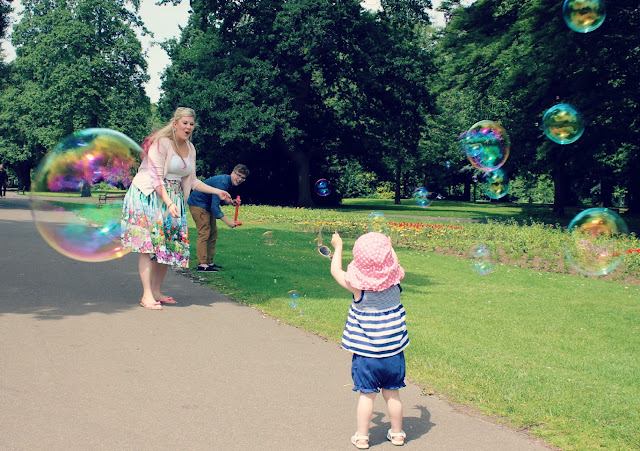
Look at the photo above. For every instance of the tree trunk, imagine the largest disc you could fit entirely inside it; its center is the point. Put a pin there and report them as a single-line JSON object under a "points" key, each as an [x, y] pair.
{"points": [[606, 192], [466, 194], [24, 178], [302, 161], [633, 196], [559, 184], [398, 182]]}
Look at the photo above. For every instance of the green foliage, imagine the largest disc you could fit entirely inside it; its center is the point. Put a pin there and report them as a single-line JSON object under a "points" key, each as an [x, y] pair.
{"points": [[538, 190], [78, 65], [510, 61], [283, 85]]}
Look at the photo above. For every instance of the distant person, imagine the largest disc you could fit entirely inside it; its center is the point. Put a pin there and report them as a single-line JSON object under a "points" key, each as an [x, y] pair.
{"points": [[3, 181], [205, 210], [375, 330], [154, 213]]}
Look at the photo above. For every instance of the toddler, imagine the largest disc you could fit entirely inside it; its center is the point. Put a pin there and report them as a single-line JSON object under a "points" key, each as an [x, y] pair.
{"points": [[375, 331]]}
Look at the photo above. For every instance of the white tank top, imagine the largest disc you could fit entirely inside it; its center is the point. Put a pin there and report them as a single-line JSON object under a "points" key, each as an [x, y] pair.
{"points": [[177, 168]]}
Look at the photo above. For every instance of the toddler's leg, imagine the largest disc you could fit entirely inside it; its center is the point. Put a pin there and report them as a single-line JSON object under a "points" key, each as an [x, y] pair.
{"points": [[394, 407], [365, 412]]}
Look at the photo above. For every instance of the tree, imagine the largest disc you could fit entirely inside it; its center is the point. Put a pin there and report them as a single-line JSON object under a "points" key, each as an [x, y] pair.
{"points": [[78, 65], [518, 58], [288, 83]]}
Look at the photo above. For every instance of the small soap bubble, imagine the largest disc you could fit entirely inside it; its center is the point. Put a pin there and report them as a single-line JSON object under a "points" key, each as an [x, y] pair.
{"points": [[563, 124], [267, 238], [78, 169], [378, 223], [423, 197], [293, 296], [481, 259], [322, 188], [486, 144], [495, 184], [595, 243], [584, 16]]}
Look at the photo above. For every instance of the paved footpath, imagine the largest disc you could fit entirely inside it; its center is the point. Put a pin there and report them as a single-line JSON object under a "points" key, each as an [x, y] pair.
{"points": [[83, 366]]}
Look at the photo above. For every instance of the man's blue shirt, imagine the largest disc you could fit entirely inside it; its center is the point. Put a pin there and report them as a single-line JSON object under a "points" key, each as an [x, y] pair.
{"points": [[211, 202]]}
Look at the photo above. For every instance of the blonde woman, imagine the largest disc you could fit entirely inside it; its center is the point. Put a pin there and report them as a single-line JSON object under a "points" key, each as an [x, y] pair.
{"points": [[154, 215]]}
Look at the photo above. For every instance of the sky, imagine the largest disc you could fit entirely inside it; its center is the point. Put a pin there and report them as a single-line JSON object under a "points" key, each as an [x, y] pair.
{"points": [[164, 22]]}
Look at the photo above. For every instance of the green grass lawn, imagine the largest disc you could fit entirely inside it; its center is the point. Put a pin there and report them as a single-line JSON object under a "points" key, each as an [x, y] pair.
{"points": [[554, 353]]}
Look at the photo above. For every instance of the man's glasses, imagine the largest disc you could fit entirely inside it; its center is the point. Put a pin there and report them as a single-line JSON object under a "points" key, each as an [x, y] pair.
{"points": [[240, 176]]}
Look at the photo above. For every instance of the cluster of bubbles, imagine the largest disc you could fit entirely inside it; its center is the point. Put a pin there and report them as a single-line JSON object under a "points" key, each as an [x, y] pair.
{"points": [[584, 16], [86, 160], [481, 260], [563, 124], [486, 144], [595, 243], [322, 188]]}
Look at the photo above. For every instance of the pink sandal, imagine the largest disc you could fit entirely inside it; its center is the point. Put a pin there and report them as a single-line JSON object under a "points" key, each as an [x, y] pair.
{"points": [[155, 306]]}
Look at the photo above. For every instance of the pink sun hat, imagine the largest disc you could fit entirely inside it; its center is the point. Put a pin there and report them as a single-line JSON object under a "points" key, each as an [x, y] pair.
{"points": [[375, 265]]}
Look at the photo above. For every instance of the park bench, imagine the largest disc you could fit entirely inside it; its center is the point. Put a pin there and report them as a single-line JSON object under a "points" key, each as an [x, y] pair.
{"points": [[103, 198]]}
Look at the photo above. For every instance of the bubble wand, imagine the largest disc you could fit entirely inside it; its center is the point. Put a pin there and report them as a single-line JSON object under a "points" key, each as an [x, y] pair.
{"points": [[235, 219], [324, 250]]}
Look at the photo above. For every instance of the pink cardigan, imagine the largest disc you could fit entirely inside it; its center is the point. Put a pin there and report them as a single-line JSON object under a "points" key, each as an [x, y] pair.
{"points": [[159, 158]]}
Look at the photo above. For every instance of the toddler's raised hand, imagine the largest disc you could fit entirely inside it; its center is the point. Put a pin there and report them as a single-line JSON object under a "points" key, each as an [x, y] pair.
{"points": [[336, 240]]}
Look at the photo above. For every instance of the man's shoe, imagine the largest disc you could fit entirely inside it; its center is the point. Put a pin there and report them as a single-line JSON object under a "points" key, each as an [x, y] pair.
{"points": [[213, 265]]}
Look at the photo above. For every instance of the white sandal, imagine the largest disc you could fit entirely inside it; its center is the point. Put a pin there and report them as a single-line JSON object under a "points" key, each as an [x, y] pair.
{"points": [[356, 438], [397, 438]]}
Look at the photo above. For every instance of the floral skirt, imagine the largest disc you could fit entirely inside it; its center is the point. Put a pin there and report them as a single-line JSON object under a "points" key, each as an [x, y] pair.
{"points": [[148, 228]]}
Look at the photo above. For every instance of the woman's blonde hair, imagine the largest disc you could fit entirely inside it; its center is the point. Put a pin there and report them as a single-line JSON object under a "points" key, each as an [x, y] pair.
{"points": [[168, 131]]}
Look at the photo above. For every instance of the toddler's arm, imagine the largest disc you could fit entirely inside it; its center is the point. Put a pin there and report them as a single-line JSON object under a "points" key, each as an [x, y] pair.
{"points": [[336, 264]]}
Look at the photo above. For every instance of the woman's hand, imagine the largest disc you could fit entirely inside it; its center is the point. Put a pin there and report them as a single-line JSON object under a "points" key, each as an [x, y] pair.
{"points": [[224, 196], [173, 210]]}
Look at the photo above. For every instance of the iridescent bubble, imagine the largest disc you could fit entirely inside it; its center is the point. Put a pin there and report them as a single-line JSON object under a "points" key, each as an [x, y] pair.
{"points": [[423, 197], [495, 184], [65, 193], [563, 124], [486, 144], [378, 222], [322, 187], [267, 238], [293, 296], [584, 16], [595, 243], [481, 260]]}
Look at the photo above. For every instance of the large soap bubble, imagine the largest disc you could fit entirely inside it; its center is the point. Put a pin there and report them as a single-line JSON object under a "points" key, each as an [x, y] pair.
{"points": [[584, 16], [486, 144], [563, 124], [595, 244], [495, 184], [65, 193]]}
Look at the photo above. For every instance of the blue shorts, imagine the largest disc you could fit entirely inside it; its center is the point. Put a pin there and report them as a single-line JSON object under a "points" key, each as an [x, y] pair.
{"points": [[371, 374]]}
